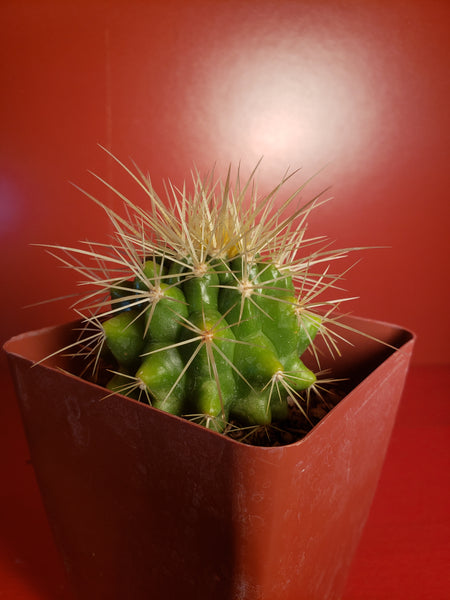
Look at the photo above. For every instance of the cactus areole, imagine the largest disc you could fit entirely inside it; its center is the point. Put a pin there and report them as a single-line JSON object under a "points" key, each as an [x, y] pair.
{"points": [[206, 303]]}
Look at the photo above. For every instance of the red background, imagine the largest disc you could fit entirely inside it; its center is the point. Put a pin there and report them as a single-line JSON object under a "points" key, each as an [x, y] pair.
{"points": [[358, 87]]}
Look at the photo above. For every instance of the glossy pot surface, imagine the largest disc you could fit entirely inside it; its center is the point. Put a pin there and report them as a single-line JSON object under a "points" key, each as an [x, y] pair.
{"points": [[144, 504]]}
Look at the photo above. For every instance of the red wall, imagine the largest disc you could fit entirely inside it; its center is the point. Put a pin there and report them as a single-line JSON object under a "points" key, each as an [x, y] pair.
{"points": [[361, 88]]}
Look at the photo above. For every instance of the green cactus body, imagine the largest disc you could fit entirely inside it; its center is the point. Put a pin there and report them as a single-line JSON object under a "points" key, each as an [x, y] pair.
{"points": [[176, 270], [278, 303], [297, 374], [254, 408], [223, 270], [256, 359], [217, 344], [166, 314], [161, 371], [211, 382], [241, 313], [261, 407], [282, 326], [246, 319], [203, 319], [124, 335], [152, 272], [202, 292]]}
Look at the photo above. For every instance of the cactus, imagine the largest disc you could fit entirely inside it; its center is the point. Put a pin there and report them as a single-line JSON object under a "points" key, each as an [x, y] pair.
{"points": [[205, 304]]}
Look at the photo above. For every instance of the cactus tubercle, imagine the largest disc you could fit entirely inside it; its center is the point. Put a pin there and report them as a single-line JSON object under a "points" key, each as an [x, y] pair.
{"points": [[207, 302]]}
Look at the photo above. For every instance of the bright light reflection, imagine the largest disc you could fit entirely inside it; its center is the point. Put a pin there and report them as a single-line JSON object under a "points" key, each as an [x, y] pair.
{"points": [[315, 104]]}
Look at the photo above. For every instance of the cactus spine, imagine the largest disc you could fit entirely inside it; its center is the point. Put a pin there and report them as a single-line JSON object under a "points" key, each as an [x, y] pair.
{"points": [[204, 304]]}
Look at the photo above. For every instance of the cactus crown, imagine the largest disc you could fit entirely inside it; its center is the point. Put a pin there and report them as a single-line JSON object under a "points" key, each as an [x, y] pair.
{"points": [[204, 303]]}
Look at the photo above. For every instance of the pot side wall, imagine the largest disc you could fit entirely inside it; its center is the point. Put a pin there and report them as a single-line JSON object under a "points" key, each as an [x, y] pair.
{"points": [[144, 504]]}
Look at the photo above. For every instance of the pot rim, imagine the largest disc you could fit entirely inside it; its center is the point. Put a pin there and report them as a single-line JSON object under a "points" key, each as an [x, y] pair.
{"points": [[405, 337]]}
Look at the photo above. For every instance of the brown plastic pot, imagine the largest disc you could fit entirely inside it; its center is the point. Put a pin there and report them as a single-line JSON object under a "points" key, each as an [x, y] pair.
{"points": [[146, 505]]}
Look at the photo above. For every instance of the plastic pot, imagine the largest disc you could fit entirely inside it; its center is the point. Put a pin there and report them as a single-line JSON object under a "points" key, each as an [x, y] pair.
{"points": [[146, 505]]}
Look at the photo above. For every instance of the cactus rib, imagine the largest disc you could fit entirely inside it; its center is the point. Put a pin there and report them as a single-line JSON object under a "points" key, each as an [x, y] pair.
{"points": [[206, 301]]}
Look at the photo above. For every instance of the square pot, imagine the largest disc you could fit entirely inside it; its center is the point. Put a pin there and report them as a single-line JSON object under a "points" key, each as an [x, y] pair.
{"points": [[144, 504]]}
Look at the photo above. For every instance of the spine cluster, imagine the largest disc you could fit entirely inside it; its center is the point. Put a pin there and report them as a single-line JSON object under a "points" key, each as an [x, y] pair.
{"points": [[221, 345], [204, 303]]}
